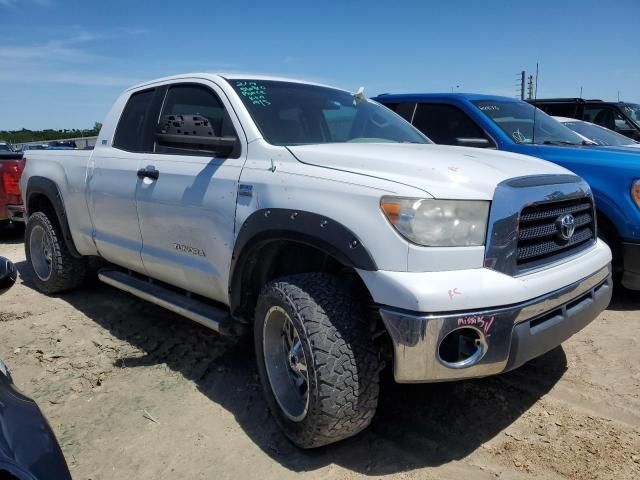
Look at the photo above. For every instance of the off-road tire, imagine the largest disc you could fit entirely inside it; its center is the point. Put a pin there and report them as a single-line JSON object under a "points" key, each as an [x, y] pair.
{"points": [[342, 363], [67, 271]]}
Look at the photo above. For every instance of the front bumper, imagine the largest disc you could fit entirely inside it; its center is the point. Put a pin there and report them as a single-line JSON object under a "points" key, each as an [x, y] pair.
{"points": [[631, 259], [507, 336]]}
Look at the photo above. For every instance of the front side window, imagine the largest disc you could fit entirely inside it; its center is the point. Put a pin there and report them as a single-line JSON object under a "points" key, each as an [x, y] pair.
{"points": [[290, 113], [446, 124], [193, 111], [131, 133], [632, 111], [516, 120]]}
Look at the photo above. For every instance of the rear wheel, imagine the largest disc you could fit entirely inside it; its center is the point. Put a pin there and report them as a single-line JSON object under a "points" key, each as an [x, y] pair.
{"points": [[316, 359], [55, 269]]}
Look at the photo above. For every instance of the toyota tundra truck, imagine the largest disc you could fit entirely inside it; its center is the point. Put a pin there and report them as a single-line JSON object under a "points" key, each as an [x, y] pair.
{"points": [[329, 227]]}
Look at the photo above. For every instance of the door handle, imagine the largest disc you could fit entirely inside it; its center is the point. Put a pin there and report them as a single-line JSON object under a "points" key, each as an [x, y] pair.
{"points": [[148, 172]]}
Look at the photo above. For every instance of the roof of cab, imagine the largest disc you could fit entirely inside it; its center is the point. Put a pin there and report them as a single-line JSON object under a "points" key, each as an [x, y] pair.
{"points": [[224, 76], [442, 96]]}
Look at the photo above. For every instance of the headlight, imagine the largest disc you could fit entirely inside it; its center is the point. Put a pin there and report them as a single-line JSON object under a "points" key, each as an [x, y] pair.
{"points": [[438, 223], [635, 192]]}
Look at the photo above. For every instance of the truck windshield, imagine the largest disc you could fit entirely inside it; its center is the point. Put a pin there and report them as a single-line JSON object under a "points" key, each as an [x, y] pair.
{"points": [[289, 113], [516, 120], [632, 110], [598, 134]]}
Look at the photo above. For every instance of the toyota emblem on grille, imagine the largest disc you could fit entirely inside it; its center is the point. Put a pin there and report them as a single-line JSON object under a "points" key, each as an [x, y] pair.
{"points": [[566, 226]]}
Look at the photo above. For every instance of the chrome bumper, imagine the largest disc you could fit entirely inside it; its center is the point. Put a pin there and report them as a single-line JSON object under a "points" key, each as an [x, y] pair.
{"points": [[507, 336]]}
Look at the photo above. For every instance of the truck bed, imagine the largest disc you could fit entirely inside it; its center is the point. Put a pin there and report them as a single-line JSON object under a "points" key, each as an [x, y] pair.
{"points": [[69, 167]]}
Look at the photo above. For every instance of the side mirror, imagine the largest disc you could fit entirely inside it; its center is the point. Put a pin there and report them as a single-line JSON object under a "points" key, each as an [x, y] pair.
{"points": [[8, 275], [474, 142], [192, 132]]}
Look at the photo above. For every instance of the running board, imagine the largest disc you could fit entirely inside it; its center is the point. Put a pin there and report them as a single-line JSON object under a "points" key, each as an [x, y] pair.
{"points": [[208, 315]]}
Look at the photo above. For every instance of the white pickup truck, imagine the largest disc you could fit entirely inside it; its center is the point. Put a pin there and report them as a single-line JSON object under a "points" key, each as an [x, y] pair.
{"points": [[330, 227]]}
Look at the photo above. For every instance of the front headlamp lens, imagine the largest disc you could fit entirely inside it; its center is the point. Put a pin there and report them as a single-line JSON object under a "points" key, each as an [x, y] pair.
{"points": [[438, 223]]}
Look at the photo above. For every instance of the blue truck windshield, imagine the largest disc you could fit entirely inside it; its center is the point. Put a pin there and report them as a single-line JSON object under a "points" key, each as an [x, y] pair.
{"points": [[289, 113], [516, 120]]}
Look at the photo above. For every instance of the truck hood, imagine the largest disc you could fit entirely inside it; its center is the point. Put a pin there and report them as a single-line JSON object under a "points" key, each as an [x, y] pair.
{"points": [[441, 171]]}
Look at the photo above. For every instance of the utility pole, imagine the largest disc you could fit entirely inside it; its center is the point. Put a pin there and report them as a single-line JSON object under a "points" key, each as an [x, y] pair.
{"points": [[530, 88], [522, 76]]}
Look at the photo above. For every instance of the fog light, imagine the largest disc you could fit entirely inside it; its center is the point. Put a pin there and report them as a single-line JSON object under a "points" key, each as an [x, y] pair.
{"points": [[462, 348]]}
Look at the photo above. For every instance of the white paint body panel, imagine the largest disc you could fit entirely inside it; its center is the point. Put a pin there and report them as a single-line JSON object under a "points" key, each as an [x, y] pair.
{"points": [[440, 171], [480, 288]]}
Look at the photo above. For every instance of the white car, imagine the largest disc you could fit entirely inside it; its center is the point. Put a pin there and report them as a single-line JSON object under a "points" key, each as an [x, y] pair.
{"points": [[331, 228], [597, 134]]}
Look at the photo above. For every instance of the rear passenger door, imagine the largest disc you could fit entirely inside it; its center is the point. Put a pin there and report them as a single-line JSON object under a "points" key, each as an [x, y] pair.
{"points": [[187, 211], [112, 182], [449, 125]]}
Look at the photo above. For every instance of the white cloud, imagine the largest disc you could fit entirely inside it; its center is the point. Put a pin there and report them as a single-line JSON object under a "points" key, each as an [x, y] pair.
{"points": [[14, 3], [67, 60]]}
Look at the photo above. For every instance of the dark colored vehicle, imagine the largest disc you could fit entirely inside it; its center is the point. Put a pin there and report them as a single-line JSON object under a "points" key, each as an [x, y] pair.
{"points": [[11, 166], [34, 147], [504, 123], [62, 143], [621, 117], [28, 448]]}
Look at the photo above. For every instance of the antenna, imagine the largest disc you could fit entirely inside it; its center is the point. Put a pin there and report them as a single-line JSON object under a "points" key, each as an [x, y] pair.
{"points": [[535, 108]]}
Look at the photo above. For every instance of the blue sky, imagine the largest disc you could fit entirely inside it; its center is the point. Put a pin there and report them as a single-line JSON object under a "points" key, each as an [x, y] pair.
{"points": [[62, 63]]}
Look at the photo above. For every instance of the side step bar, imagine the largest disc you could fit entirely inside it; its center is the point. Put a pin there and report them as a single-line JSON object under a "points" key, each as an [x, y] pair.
{"points": [[208, 315]]}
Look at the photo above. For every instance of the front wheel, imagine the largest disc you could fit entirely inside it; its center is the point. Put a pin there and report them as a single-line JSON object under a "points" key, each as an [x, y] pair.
{"points": [[316, 359], [55, 269]]}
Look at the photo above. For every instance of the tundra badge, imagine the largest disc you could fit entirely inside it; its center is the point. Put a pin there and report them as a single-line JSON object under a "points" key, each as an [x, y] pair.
{"points": [[190, 250]]}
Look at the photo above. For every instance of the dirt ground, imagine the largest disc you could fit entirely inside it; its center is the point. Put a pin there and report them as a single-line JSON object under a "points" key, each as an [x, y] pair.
{"points": [[135, 392]]}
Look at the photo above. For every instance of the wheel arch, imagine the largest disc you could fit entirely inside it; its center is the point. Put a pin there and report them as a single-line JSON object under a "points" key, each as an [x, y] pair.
{"points": [[285, 242], [43, 195]]}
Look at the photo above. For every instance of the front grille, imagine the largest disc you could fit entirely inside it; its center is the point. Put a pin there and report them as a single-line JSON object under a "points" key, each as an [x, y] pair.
{"points": [[540, 233]]}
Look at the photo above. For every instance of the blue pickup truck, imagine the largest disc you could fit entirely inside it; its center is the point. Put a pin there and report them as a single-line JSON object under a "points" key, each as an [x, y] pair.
{"points": [[507, 124]]}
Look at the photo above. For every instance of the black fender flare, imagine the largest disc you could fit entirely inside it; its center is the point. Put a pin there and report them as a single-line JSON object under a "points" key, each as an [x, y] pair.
{"points": [[49, 189], [276, 224]]}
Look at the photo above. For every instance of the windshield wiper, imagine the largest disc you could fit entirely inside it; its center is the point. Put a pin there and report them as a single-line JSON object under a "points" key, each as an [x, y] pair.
{"points": [[559, 142]]}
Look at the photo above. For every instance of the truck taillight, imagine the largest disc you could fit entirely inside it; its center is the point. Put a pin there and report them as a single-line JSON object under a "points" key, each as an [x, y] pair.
{"points": [[11, 179]]}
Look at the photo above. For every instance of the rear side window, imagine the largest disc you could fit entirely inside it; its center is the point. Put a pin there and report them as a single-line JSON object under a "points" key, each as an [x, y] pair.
{"points": [[131, 134], [445, 124], [559, 109], [405, 110]]}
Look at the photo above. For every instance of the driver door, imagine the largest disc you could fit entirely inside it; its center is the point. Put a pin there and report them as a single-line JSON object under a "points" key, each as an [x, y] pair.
{"points": [[186, 206]]}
